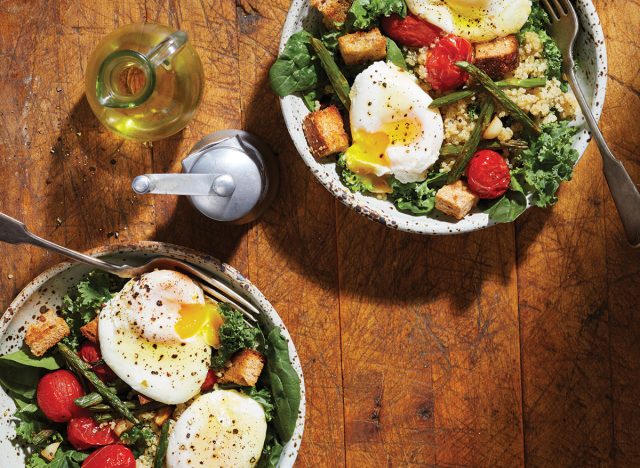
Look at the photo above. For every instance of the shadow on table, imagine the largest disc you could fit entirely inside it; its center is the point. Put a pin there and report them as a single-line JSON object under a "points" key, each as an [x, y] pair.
{"points": [[374, 261]]}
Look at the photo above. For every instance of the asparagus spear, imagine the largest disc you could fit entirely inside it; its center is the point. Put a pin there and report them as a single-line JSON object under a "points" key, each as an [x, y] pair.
{"points": [[471, 145], [487, 83], [456, 96], [85, 371], [161, 451], [337, 79], [90, 399], [454, 150]]}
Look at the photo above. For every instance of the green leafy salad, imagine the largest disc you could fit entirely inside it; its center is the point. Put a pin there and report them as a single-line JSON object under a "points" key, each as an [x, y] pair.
{"points": [[126, 375], [440, 118]]}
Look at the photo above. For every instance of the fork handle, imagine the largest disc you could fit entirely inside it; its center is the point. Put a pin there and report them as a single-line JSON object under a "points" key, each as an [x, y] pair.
{"points": [[623, 190], [13, 231]]}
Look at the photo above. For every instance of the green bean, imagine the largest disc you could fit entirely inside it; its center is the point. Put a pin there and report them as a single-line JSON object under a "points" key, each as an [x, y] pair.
{"points": [[41, 437], [471, 145], [455, 150], [337, 79], [161, 451], [487, 83], [90, 399], [456, 96], [85, 371]]}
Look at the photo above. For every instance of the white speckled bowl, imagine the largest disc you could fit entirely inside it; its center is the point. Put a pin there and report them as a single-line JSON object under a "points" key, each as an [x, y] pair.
{"points": [[591, 55], [48, 289]]}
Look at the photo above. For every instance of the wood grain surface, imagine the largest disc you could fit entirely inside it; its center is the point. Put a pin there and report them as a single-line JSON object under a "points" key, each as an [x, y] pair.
{"points": [[518, 345]]}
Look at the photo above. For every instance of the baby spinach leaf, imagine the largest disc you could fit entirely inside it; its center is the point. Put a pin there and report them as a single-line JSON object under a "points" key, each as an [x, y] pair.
{"points": [[364, 14], [394, 54], [23, 357], [271, 451], [285, 384], [510, 206], [297, 68]]}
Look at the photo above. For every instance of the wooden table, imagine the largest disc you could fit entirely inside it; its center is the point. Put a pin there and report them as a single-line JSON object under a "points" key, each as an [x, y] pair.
{"points": [[514, 345]]}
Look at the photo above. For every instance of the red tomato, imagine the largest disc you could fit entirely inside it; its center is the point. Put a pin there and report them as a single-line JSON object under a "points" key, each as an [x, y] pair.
{"points": [[111, 456], [488, 175], [55, 394], [90, 353], [209, 381], [84, 433], [410, 31], [442, 72]]}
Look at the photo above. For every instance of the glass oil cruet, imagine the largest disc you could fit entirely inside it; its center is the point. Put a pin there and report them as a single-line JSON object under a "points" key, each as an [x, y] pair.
{"points": [[144, 82]]}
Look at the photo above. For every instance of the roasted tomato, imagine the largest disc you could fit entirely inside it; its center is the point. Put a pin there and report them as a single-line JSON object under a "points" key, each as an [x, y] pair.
{"points": [[90, 353], [442, 72], [111, 456], [410, 31], [55, 394], [209, 382], [84, 433], [488, 175]]}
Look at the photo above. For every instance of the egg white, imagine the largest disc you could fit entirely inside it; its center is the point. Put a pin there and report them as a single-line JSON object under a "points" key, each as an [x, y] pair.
{"points": [[383, 94], [138, 341], [224, 428], [475, 20]]}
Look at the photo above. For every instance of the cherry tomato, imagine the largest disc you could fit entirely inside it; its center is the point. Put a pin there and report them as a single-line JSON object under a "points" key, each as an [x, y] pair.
{"points": [[90, 353], [410, 31], [442, 72], [55, 394], [209, 382], [488, 175], [111, 456], [84, 433]]}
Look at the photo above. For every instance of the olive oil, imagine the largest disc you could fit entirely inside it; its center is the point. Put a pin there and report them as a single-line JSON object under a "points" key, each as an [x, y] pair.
{"points": [[144, 81]]}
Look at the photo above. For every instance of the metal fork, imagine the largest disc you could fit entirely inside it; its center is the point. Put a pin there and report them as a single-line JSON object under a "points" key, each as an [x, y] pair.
{"points": [[13, 231], [564, 29]]}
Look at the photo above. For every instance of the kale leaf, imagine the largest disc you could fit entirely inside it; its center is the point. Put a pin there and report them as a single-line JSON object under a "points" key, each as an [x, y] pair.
{"points": [[363, 14], [235, 334], [138, 438], [418, 198], [297, 68], [538, 22], [84, 301], [547, 162], [351, 180], [64, 458]]}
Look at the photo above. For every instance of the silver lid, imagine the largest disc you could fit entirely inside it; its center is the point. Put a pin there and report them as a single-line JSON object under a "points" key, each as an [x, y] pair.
{"points": [[244, 182]]}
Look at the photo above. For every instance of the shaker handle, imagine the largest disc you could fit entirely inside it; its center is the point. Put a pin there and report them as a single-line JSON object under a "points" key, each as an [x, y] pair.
{"points": [[170, 46]]}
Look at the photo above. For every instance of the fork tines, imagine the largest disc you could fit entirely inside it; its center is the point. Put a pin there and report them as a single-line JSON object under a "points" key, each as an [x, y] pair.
{"points": [[559, 9]]}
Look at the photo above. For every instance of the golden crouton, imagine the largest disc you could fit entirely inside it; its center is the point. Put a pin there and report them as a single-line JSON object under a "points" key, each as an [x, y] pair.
{"points": [[324, 130], [333, 11], [499, 57], [362, 46], [90, 330], [456, 199], [245, 369], [162, 415], [45, 333]]}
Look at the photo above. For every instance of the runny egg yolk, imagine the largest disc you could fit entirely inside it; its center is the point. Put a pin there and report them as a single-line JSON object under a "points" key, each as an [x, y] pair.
{"points": [[368, 152], [200, 319]]}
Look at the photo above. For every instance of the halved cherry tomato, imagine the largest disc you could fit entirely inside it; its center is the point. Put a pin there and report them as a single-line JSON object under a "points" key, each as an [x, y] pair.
{"points": [[488, 175], [209, 381], [442, 72], [84, 433], [111, 456], [55, 394], [410, 31], [90, 353]]}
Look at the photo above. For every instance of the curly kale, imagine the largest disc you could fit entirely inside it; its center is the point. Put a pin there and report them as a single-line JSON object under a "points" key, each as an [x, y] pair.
{"points": [[84, 301], [418, 198], [235, 335], [538, 23], [365, 13], [351, 180], [547, 162]]}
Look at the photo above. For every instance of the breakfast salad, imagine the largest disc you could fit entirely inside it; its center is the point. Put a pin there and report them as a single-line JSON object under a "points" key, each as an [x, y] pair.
{"points": [[448, 106], [150, 373]]}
